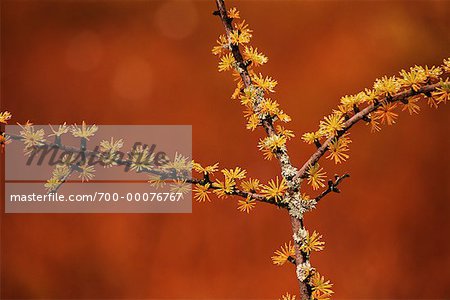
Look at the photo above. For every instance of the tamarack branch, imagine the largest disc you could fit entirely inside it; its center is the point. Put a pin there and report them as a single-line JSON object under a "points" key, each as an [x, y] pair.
{"points": [[375, 107]]}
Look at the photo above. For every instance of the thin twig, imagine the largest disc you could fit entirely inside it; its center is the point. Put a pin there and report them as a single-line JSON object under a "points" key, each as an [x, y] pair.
{"points": [[332, 186], [282, 156], [158, 171]]}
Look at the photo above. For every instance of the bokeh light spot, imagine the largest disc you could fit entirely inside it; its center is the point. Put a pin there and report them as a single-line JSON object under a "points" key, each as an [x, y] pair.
{"points": [[176, 19], [84, 51], [133, 79]]}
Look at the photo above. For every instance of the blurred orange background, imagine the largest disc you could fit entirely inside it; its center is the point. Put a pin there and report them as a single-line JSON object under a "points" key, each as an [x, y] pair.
{"points": [[149, 62]]}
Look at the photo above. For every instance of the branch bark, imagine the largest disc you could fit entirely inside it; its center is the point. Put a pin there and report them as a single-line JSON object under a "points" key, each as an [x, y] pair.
{"points": [[282, 156], [401, 96]]}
